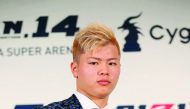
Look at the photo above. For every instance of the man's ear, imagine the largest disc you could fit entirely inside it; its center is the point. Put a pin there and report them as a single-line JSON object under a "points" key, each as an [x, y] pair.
{"points": [[74, 69]]}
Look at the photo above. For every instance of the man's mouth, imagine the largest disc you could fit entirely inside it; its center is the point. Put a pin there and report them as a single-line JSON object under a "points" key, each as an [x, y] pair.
{"points": [[103, 82]]}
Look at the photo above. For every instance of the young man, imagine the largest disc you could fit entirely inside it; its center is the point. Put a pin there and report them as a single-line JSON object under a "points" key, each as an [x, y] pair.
{"points": [[96, 67]]}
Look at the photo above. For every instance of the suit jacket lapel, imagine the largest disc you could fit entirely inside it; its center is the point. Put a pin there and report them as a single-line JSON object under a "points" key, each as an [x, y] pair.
{"points": [[72, 103]]}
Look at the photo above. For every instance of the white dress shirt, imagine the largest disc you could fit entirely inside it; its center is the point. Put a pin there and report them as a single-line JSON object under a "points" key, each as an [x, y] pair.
{"points": [[86, 102]]}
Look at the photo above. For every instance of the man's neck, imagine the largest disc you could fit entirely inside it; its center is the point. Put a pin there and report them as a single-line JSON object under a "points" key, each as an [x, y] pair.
{"points": [[100, 102]]}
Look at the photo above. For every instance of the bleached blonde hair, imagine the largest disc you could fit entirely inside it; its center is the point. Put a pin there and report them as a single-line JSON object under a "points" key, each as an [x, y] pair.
{"points": [[94, 35]]}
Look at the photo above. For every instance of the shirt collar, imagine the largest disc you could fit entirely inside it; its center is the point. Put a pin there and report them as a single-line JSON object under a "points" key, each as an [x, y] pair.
{"points": [[85, 101]]}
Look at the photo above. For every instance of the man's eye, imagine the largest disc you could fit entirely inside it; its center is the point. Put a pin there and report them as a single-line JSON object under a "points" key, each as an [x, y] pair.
{"points": [[93, 63], [113, 63]]}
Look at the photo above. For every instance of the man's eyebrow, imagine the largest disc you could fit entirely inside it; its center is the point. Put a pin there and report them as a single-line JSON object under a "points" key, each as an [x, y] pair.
{"points": [[99, 59], [94, 58]]}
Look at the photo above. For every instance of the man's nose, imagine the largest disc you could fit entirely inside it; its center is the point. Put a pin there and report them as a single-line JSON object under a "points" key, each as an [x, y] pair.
{"points": [[104, 69]]}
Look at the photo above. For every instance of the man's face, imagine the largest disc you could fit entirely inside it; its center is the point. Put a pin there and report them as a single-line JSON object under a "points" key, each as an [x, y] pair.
{"points": [[97, 71]]}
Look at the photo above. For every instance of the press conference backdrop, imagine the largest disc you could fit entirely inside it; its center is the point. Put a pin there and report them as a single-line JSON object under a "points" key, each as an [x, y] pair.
{"points": [[35, 51]]}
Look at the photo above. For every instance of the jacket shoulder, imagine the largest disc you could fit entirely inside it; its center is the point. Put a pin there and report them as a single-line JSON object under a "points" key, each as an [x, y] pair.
{"points": [[70, 103]]}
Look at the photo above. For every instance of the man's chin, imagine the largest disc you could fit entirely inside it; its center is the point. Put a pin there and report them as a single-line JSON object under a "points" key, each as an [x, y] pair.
{"points": [[103, 95]]}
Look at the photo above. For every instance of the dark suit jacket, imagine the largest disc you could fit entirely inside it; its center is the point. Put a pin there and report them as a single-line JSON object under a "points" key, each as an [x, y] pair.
{"points": [[70, 103]]}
